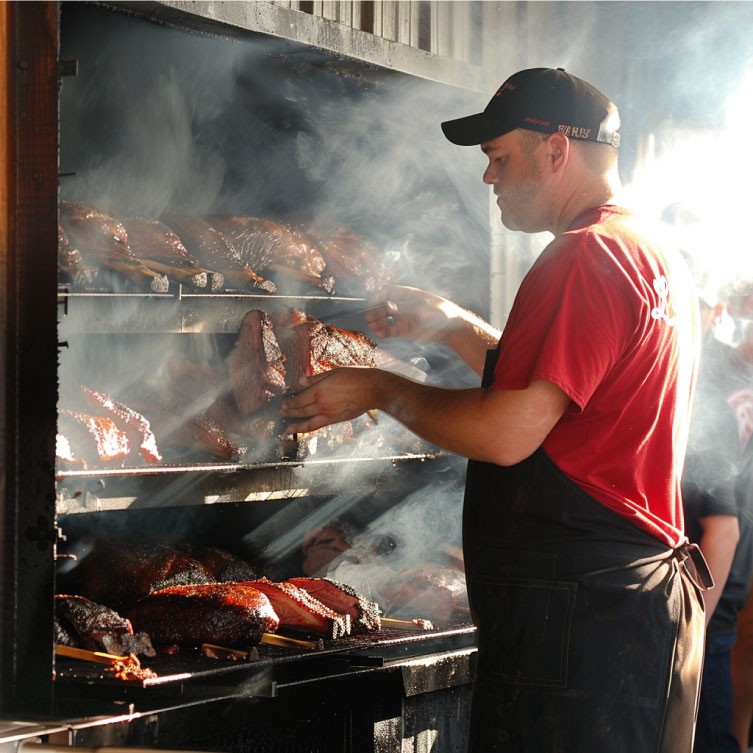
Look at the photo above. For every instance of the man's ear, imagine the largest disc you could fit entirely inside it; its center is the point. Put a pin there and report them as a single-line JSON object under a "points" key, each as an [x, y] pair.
{"points": [[558, 151]]}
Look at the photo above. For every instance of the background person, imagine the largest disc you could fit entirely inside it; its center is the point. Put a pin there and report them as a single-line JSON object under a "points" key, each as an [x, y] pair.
{"points": [[709, 482]]}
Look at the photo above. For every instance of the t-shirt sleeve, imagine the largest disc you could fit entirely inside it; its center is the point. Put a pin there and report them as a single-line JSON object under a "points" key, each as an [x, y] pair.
{"points": [[570, 324]]}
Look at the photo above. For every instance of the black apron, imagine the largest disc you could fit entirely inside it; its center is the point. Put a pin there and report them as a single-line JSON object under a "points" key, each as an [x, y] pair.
{"points": [[590, 631]]}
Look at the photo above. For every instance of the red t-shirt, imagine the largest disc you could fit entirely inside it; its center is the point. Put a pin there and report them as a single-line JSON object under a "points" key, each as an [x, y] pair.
{"points": [[612, 320]]}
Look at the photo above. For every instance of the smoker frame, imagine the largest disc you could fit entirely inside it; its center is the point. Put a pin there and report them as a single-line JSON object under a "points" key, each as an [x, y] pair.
{"points": [[28, 275]]}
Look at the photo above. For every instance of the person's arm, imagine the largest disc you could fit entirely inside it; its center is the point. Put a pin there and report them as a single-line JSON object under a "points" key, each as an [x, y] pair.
{"points": [[718, 542], [497, 426], [399, 311]]}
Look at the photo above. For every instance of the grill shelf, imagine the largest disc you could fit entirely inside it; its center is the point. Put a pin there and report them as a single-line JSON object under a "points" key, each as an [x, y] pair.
{"points": [[191, 670]]}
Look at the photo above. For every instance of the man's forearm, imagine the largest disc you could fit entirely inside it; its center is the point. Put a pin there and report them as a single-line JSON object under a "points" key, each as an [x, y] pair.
{"points": [[718, 543], [501, 427], [471, 337]]}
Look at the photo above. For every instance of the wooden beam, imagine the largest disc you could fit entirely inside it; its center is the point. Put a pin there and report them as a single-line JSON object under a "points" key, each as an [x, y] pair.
{"points": [[28, 349]]}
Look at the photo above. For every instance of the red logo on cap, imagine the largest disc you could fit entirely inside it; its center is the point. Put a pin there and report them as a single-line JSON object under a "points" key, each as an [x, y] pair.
{"points": [[505, 87]]}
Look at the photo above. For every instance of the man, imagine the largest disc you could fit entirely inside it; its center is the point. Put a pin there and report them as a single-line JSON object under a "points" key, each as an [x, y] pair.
{"points": [[590, 630]]}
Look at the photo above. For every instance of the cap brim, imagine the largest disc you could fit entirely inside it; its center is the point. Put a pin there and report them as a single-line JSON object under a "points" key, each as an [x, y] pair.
{"points": [[474, 129]]}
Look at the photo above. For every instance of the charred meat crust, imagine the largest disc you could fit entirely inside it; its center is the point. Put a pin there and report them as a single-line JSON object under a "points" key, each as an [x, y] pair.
{"points": [[230, 614]]}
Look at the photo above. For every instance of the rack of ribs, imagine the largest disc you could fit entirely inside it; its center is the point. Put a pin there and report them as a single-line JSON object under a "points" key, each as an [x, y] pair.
{"points": [[229, 614], [161, 249], [131, 423], [85, 624], [103, 240], [92, 439], [256, 371], [264, 244], [70, 261], [364, 614], [299, 610], [213, 249], [353, 261], [312, 347]]}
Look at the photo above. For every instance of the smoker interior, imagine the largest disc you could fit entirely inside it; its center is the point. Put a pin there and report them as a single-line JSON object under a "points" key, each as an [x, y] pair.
{"points": [[158, 119]]}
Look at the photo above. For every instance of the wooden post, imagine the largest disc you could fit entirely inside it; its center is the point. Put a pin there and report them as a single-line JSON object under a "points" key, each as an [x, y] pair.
{"points": [[28, 349]]}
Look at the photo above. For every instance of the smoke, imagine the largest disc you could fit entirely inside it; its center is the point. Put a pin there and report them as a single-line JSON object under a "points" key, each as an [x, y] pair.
{"points": [[163, 120], [159, 120]]}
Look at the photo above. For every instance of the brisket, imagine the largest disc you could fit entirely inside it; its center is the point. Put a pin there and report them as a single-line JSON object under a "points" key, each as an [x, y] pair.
{"points": [[225, 613], [119, 573], [86, 624]]}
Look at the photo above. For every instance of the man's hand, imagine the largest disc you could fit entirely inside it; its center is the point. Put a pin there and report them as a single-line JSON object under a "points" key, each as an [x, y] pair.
{"points": [[337, 395], [409, 312], [400, 311]]}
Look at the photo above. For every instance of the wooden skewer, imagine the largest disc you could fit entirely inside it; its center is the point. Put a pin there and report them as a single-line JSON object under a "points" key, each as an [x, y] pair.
{"points": [[222, 652], [417, 624], [93, 656], [296, 274], [140, 273], [281, 640], [242, 276], [190, 275]]}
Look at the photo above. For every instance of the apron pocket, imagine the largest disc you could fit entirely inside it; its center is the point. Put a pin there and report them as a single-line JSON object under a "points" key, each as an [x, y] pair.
{"points": [[523, 628]]}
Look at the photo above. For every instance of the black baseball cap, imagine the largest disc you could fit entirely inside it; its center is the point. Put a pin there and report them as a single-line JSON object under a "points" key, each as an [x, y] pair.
{"points": [[541, 99]]}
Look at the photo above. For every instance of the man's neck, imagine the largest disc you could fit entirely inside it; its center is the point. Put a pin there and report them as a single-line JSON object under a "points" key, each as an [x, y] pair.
{"points": [[588, 194]]}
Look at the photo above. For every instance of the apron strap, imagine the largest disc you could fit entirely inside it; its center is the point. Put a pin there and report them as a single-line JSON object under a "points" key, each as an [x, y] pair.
{"points": [[692, 560]]}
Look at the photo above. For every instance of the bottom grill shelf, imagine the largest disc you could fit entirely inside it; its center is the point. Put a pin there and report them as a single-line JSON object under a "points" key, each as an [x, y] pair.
{"points": [[268, 669]]}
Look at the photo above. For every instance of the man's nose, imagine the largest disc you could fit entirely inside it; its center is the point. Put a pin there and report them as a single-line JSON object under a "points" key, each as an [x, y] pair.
{"points": [[489, 176]]}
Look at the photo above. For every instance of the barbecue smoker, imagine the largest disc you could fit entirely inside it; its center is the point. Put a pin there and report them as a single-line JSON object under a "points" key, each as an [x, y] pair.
{"points": [[231, 109]]}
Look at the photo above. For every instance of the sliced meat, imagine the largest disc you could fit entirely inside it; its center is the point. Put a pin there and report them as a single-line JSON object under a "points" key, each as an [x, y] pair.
{"points": [[133, 424], [226, 613], [119, 573], [299, 610], [364, 614], [93, 439], [95, 627], [312, 347], [255, 366]]}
